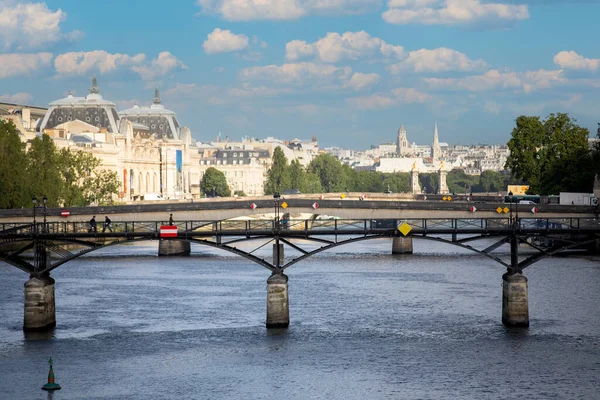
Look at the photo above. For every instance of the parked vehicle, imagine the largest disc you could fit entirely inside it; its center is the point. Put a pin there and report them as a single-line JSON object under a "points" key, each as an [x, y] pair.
{"points": [[153, 196]]}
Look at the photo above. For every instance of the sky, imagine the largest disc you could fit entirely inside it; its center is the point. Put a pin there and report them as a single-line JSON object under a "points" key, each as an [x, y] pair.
{"points": [[349, 72]]}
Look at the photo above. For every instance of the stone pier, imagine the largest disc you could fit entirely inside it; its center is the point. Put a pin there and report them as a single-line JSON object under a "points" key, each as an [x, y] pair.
{"points": [[40, 308], [402, 245], [515, 301], [278, 312], [281, 257], [168, 247]]}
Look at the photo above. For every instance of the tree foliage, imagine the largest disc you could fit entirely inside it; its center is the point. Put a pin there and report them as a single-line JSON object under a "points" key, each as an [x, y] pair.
{"points": [[278, 176], [214, 183], [67, 178], [551, 155]]}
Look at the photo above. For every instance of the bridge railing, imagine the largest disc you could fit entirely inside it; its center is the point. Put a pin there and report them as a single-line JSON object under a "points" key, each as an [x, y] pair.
{"points": [[316, 225]]}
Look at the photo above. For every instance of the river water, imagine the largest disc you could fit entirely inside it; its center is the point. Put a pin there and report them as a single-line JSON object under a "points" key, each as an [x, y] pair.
{"points": [[363, 325]]}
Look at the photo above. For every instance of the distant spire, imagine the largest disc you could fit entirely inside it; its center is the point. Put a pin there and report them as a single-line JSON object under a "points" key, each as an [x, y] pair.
{"points": [[94, 89], [156, 96], [436, 151]]}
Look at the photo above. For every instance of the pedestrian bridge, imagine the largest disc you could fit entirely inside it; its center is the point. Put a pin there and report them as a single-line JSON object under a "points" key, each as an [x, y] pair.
{"points": [[39, 248]]}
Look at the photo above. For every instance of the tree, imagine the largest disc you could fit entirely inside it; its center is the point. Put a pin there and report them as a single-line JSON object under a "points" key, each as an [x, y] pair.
{"points": [[278, 176], [429, 182], [491, 181], [13, 164], [397, 182], [539, 148], [214, 183], [330, 173], [42, 170], [297, 176]]}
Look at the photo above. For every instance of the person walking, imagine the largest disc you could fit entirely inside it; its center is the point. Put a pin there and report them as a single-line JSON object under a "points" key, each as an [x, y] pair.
{"points": [[107, 223], [170, 219], [93, 225]]}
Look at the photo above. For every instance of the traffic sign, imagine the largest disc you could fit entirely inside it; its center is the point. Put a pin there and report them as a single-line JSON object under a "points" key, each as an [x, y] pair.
{"points": [[534, 210], [168, 231], [253, 206], [473, 209], [65, 213], [315, 205], [321, 197]]}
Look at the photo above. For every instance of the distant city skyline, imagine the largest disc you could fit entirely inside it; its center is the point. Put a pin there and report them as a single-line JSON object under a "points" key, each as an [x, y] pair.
{"points": [[349, 72]]}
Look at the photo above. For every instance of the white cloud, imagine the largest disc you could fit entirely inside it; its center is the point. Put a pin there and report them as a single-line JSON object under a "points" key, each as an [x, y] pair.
{"points": [[437, 60], [384, 100], [81, 63], [164, 64], [14, 64], [246, 10], [348, 46], [452, 12], [527, 81], [298, 73], [17, 98], [360, 81], [31, 25], [223, 41], [572, 60]]}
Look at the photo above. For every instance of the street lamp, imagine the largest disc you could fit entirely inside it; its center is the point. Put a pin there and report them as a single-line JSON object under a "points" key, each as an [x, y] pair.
{"points": [[276, 197], [510, 197], [34, 201], [44, 200]]}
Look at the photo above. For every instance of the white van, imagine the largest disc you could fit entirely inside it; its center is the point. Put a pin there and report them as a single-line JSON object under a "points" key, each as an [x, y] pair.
{"points": [[153, 196]]}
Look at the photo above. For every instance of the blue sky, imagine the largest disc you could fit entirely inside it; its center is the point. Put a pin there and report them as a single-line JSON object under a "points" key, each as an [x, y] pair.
{"points": [[349, 72]]}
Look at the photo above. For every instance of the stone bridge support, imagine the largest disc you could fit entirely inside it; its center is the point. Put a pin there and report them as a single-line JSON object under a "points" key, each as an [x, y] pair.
{"points": [[515, 301], [169, 247], [402, 245], [40, 307], [278, 312]]}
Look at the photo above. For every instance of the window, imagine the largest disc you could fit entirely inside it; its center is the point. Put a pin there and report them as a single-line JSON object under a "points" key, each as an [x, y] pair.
{"points": [[235, 154]]}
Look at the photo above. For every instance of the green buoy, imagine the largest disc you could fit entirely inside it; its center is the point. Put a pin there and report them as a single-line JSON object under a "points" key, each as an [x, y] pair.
{"points": [[51, 385]]}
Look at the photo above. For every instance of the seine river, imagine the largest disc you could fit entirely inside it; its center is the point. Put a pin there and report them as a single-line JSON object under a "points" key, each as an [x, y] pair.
{"points": [[363, 325]]}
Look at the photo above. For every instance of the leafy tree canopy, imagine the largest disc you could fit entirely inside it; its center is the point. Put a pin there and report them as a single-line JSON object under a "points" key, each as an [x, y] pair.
{"points": [[214, 183]]}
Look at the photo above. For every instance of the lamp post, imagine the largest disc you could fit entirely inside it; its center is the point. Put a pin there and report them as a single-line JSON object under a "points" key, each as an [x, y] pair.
{"points": [[276, 197], [510, 197], [44, 200], [34, 201]]}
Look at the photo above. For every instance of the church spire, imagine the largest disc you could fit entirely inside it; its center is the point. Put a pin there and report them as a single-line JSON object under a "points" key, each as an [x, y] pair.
{"points": [[94, 89], [156, 96], [436, 151]]}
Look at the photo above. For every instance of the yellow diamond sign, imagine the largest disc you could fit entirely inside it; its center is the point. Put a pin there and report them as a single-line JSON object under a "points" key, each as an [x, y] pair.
{"points": [[506, 210], [444, 198], [284, 205], [449, 198], [404, 228], [343, 196], [499, 210]]}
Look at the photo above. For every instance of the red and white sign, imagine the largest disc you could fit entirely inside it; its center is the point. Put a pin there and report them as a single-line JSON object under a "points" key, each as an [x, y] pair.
{"points": [[168, 231], [65, 213], [315, 205], [364, 196], [473, 209], [424, 197], [253, 206], [534, 210], [321, 197], [469, 199]]}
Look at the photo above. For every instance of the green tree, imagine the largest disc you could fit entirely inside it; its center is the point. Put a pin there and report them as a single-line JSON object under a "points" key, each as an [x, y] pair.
{"points": [[429, 182], [278, 176], [297, 176], [330, 172], [491, 181], [42, 170], [398, 182], [312, 183], [101, 187], [369, 181], [214, 183], [537, 148], [13, 164]]}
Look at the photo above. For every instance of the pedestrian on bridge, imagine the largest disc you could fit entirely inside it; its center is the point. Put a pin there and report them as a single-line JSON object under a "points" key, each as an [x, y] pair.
{"points": [[170, 219], [93, 225], [107, 223]]}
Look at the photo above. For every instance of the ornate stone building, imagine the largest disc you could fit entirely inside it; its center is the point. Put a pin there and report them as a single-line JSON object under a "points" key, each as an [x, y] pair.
{"points": [[145, 146]]}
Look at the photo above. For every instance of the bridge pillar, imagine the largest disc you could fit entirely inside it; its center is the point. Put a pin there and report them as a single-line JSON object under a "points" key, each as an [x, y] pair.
{"points": [[402, 245], [40, 308], [515, 303], [174, 247], [278, 312], [278, 247]]}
